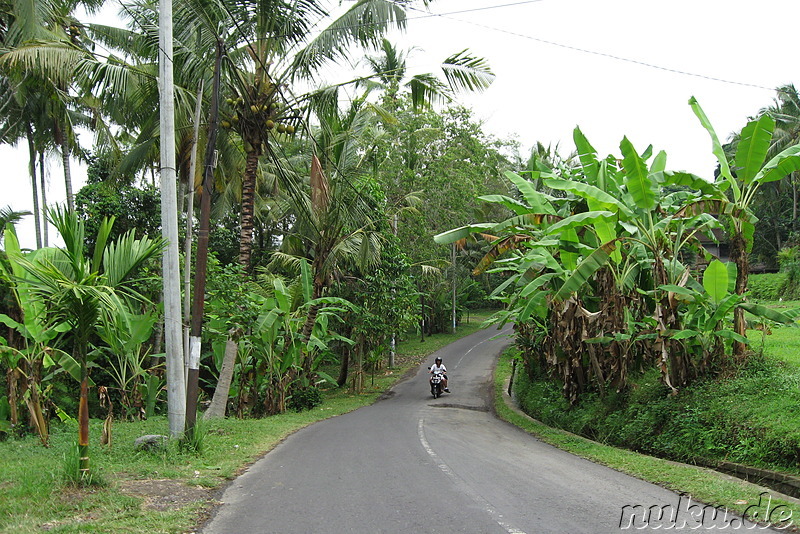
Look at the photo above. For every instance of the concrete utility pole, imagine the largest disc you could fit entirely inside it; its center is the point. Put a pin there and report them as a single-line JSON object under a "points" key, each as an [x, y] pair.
{"points": [[176, 386], [454, 288]]}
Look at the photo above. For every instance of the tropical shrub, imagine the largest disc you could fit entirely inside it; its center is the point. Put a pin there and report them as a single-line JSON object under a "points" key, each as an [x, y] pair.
{"points": [[767, 286]]}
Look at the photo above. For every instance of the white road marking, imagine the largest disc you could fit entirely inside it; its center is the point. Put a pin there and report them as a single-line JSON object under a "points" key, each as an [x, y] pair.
{"points": [[495, 515], [478, 345]]}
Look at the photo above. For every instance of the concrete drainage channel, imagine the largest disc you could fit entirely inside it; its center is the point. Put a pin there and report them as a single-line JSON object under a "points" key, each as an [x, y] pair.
{"points": [[781, 482]]}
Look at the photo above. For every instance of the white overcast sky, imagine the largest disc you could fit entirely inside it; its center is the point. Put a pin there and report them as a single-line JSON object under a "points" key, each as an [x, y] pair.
{"points": [[615, 68]]}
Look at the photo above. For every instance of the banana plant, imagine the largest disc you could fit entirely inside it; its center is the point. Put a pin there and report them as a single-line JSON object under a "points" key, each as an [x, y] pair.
{"points": [[735, 189], [27, 350], [706, 308], [124, 334], [275, 351], [601, 261]]}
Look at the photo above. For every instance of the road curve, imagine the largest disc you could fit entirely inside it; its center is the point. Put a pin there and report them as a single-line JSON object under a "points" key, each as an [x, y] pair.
{"points": [[411, 463]]}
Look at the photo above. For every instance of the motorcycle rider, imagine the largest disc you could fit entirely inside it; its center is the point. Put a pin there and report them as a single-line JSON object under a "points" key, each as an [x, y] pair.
{"points": [[438, 367]]}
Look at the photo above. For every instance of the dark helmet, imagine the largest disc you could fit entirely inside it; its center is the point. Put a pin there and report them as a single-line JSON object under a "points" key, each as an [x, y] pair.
{"points": [[438, 360]]}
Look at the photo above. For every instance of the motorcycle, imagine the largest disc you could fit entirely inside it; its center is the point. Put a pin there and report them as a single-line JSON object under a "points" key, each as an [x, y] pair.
{"points": [[436, 384]]}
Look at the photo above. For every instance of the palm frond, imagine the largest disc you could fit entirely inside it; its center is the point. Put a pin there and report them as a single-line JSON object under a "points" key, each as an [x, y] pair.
{"points": [[465, 72]]}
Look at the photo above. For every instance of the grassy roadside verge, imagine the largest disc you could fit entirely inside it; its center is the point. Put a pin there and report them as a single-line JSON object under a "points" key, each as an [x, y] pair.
{"points": [[702, 484], [167, 491]]}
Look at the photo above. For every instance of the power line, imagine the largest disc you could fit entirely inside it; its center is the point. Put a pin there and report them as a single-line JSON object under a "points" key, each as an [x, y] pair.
{"points": [[472, 10], [447, 15]]}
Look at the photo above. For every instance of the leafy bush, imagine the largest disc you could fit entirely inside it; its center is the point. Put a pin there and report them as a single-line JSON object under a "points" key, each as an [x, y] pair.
{"points": [[767, 286], [305, 399], [752, 418]]}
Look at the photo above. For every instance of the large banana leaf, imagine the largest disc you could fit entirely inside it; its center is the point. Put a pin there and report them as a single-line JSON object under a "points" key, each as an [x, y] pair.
{"points": [[536, 303], [659, 162], [499, 248], [785, 317], [512, 204], [686, 179], [538, 202], [716, 149], [785, 163], [579, 220], [726, 305], [585, 270], [528, 219], [716, 207], [457, 234], [753, 147], [637, 179], [536, 284], [587, 154], [596, 197], [715, 280], [569, 240]]}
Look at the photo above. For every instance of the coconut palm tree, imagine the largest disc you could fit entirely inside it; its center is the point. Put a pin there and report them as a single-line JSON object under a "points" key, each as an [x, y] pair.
{"points": [[44, 46], [462, 72], [337, 225], [278, 50]]}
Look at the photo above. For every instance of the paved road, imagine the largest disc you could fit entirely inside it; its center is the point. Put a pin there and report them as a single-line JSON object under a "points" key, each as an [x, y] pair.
{"points": [[411, 463]]}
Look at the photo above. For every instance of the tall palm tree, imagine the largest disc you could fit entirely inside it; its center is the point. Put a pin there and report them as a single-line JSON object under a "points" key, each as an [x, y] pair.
{"points": [[337, 225], [279, 47], [44, 46]]}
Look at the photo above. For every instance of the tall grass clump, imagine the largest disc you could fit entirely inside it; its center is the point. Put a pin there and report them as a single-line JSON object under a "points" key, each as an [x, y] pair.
{"points": [[72, 474]]}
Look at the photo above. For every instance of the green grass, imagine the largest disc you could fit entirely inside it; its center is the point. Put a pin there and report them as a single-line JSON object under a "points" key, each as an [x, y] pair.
{"points": [[34, 495], [782, 344], [702, 484]]}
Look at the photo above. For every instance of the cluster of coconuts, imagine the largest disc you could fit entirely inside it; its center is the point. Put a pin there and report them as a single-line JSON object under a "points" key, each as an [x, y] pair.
{"points": [[268, 113]]}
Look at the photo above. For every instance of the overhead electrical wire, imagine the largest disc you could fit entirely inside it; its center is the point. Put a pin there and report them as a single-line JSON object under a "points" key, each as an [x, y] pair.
{"points": [[447, 15]]}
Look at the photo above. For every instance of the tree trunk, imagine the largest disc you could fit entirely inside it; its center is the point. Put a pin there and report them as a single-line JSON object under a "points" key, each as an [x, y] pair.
{"points": [[739, 257], [343, 368], [248, 208], [67, 173], [793, 179], [158, 335], [219, 401], [34, 187], [83, 423], [43, 192], [187, 245], [33, 401], [12, 379], [357, 383], [201, 263]]}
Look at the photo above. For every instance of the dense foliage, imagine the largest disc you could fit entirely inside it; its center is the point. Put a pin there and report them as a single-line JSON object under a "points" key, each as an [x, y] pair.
{"points": [[607, 274]]}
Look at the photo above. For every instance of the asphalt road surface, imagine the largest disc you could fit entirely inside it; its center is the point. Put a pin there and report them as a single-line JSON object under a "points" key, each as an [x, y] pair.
{"points": [[414, 464]]}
